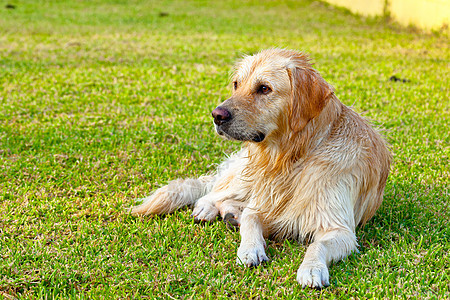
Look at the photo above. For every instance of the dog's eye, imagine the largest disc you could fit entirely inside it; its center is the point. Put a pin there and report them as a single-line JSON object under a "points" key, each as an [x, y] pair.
{"points": [[235, 85], [264, 89]]}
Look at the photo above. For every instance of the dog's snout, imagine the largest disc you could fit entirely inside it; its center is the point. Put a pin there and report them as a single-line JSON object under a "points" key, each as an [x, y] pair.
{"points": [[221, 115]]}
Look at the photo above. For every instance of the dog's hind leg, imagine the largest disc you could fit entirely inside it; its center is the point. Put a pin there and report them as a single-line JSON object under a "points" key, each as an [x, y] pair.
{"points": [[176, 194]]}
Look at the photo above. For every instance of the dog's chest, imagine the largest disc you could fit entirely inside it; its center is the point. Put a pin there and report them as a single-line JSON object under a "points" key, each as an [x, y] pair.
{"points": [[284, 209], [273, 192]]}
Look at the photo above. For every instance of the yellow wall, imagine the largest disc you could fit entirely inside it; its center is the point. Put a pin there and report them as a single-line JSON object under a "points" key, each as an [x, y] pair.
{"points": [[426, 14], [362, 7], [431, 14]]}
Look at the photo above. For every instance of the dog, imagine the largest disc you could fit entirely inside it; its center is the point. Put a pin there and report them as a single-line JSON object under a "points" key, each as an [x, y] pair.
{"points": [[310, 168]]}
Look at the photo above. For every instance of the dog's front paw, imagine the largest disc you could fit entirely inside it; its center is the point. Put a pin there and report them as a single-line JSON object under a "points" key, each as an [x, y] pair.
{"points": [[231, 212], [204, 211], [251, 256], [313, 274]]}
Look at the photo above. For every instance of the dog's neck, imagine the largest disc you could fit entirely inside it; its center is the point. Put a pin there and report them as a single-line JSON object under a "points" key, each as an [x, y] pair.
{"points": [[286, 149]]}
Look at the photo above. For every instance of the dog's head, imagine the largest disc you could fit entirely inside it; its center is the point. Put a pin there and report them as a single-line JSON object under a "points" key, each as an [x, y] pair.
{"points": [[273, 91]]}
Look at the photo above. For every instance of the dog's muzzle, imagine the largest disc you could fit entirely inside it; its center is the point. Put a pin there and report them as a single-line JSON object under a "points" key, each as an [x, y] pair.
{"points": [[222, 119], [221, 115]]}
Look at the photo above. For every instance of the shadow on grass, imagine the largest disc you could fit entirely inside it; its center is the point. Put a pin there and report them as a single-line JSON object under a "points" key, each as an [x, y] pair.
{"points": [[409, 211]]}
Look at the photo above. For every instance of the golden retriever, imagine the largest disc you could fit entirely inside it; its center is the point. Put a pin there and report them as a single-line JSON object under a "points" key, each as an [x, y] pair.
{"points": [[310, 167]]}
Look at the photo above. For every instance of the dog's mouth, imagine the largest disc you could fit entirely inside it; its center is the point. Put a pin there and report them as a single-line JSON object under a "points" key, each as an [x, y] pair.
{"points": [[259, 137], [243, 137]]}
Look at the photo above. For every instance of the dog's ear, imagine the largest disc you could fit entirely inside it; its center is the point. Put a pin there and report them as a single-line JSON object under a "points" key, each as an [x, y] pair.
{"points": [[309, 95]]}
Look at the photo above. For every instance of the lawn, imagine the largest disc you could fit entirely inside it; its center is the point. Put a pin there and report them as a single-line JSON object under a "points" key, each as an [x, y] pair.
{"points": [[103, 101]]}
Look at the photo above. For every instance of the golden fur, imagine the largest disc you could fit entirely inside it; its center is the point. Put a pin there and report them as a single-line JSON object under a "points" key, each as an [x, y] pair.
{"points": [[310, 167]]}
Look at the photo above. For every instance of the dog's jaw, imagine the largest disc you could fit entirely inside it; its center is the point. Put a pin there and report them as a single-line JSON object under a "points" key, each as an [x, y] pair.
{"points": [[257, 137]]}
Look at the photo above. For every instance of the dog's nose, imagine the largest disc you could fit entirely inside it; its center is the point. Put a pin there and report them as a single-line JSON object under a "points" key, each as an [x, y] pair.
{"points": [[221, 115]]}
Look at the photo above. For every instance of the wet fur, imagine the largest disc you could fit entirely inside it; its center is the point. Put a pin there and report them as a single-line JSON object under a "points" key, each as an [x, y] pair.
{"points": [[319, 172]]}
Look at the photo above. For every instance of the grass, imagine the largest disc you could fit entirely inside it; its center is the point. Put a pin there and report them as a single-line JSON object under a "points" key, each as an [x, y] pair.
{"points": [[103, 101]]}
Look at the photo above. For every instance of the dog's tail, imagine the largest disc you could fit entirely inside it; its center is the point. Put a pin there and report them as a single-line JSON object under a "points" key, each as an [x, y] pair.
{"points": [[176, 194]]}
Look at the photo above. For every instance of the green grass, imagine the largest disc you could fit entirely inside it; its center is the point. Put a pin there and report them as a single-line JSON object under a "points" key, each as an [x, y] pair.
{"points": [[103, 101]]}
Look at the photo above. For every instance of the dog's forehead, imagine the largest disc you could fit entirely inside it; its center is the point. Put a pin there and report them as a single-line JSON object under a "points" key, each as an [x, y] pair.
{"points": [[260, 66]]}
